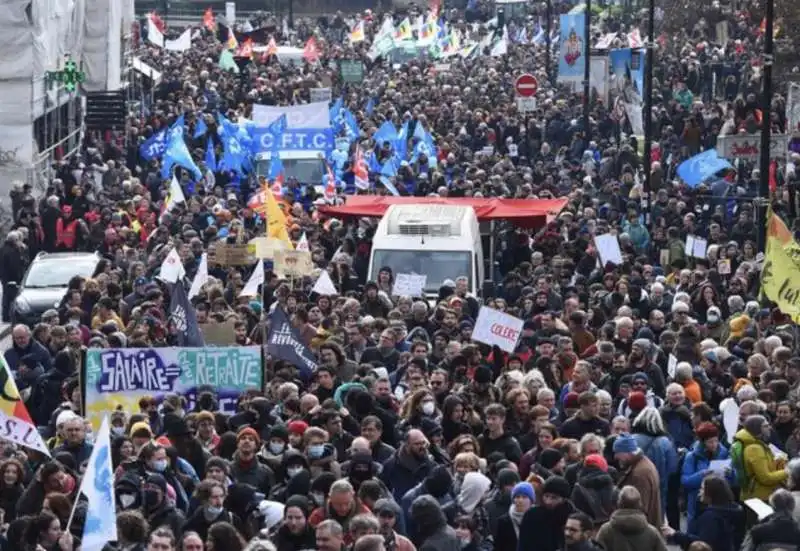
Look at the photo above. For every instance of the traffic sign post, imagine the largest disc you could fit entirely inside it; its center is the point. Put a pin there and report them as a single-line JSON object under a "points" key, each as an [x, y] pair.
{"points": [[526, 85], [526, 105]]}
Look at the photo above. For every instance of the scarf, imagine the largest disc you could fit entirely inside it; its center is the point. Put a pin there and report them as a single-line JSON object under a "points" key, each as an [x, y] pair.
{"points": [[516, 518]]}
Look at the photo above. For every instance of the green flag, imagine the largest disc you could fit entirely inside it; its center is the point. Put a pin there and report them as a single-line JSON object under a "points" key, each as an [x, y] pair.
{"points": [[226, 61]]}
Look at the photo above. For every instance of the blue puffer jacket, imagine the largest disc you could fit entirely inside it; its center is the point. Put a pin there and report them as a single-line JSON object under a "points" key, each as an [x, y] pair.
{"points": [[661, 451], [694, 470], [678, 422]]}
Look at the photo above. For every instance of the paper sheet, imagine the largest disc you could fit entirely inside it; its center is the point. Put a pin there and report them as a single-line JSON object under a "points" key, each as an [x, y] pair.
{"points": [[759, 508], [719, 466], [730, 420]]}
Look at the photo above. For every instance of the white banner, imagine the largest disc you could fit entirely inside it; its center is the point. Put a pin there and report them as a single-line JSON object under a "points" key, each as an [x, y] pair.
{"points": [[409, 285], [748, 146], [230, 12], [312, 115], [494, 327], [598, 77], [153, 34], [180, 44]]}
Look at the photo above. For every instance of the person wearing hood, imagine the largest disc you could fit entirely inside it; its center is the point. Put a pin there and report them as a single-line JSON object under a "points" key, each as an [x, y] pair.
{"points": [[295, 533], [629, 529], [432, 530], [438, 485], [211, 497], [157, 509], [506, 532], [469, 502], [500, 499], [594, 492], [763, 473], [495, 438], [542, 526], [779, 530], [29, 370], [696, 465], [275, 448], [719, 524], [293, 466]]}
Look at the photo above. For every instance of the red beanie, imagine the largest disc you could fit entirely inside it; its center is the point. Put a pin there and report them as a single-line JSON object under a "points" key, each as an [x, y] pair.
{"points": [[298, 427], [251, 432], [571, 401], [637, 400], [596, 460]]}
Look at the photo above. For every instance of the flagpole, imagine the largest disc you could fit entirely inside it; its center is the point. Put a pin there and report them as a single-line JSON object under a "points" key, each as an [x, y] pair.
{"points": [[587, 55], [766, 103], [548, 24]]}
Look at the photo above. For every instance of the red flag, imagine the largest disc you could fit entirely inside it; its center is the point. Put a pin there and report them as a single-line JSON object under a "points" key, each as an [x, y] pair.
{"points": [[209, 22], [246, 49], [311, 52], [158, 22], [435, 6], [330, 185], [360, 170], [773, 176]]}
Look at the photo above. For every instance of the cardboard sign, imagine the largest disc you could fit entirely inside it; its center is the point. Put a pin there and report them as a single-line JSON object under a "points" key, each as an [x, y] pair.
{"points": [[494, 327], [724, 266], [264, 247], [352, 71], [226, 254], [409, 285], [320, 94], [218, 334], [293, 263], [608, 249]]}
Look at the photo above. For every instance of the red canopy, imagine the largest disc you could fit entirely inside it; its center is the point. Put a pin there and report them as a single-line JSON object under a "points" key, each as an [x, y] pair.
{"points": [[527, 213]]}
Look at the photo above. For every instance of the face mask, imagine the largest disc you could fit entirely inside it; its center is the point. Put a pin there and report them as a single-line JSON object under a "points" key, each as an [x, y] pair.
{"points": [[294, 471], [428, 408], [276, 447], [126, 500], [213, 512], [465, 543], [151, 498], [713, 319], [316, 451], [118, 431], [159, 466]]}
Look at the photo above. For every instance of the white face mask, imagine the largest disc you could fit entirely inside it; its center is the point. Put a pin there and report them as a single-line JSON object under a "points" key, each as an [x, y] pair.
{"points": [[126, 500], [294, 471], [428, 408]]}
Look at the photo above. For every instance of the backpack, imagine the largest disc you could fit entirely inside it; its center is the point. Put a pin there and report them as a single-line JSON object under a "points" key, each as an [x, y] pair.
{"points": [[737, 462]]}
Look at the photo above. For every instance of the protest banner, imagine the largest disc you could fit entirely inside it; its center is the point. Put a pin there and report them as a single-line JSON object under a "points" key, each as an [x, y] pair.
{"points": [[409, 285], [293, 263], [121, 376], [494, 327]]}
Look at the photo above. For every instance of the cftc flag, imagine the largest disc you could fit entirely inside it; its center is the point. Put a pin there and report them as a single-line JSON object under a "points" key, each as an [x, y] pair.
{"points": [[182, 314], [284, 343]]}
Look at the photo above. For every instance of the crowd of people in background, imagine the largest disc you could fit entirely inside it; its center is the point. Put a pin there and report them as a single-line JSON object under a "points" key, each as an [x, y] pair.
{"points": [[605, 429]]}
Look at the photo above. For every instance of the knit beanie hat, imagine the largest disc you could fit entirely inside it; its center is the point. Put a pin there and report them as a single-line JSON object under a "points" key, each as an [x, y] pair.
{"points": [[249, 431], [557, 486], [625, 443], [524, 489]]}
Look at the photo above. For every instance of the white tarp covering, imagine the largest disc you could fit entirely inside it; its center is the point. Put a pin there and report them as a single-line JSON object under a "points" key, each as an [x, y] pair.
{"points": [[102, 49], [16, 82]]}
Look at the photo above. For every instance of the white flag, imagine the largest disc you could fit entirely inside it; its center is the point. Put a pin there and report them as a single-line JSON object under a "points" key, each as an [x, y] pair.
{"points": [[180, 44], [174, 196], [172, 268], [153, 34], [98, 487], [256, 279], [324, 285], [302, 245], [200, 278]]}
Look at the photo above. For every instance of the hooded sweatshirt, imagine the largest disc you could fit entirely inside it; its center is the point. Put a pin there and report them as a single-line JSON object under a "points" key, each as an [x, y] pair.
{"points": [[628, 530]]}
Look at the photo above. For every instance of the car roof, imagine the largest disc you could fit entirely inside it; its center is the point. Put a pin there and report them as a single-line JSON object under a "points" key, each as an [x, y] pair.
{"points": [[49, 257]]}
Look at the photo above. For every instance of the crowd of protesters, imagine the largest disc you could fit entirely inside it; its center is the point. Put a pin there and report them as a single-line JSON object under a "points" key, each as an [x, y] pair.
{"points": [[603, 430]]}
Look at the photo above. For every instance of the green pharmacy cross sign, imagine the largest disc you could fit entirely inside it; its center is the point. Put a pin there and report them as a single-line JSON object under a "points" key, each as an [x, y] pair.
{"points": [[70, 76]]}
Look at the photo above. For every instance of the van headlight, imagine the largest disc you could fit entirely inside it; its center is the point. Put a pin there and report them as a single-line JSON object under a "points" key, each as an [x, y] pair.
{"points": [[22, 305]]}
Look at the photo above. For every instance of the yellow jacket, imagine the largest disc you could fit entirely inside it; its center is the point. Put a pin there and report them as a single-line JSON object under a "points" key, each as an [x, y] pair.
{"points": [[764, 473]]}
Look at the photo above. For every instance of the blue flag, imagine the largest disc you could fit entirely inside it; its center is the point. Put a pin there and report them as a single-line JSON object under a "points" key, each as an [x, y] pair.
{"points": [[370, 108], [177, 127], [401, 143], [284, 343], [386, 133], [182, 314], [178, 154], [388, 171], [425, 146], [275, 166], [211, 158], [97, 485], [154, 146], [701, 167], [200, 128], [335, 110], [350, 125]]}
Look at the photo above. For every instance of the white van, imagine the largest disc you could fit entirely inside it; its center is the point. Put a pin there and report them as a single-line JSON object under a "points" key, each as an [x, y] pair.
{"points": [[439, 241]]}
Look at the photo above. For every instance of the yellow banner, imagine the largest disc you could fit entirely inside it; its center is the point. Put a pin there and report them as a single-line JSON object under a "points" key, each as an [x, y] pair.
{"points": [[780, 275]]}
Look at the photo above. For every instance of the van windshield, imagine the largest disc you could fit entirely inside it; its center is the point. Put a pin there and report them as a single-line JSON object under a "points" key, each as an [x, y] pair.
{"points": [[305, 171], [437, 265]]}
